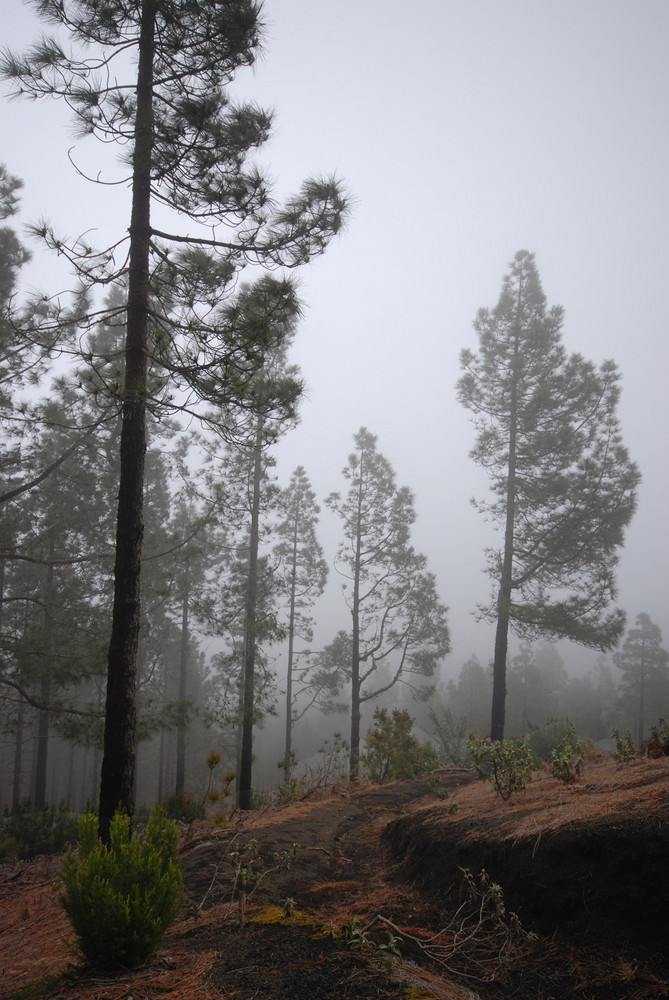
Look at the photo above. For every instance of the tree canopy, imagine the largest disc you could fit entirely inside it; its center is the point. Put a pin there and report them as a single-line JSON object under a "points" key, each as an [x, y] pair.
{"points": [[563, 485], [186, 146]]}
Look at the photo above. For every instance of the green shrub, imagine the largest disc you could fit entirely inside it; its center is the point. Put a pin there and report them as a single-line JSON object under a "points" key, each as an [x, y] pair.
{"points": [[658, 743], [567, 758], [625, 749], [121, 898], [508, 764], [451, 736], [26, 833], [291, 791], [545, 739], [391, 751]]}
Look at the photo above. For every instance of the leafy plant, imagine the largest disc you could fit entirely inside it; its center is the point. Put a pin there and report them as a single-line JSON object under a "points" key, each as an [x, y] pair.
{"points": [[250, 870], [445, 794], [358, 938], [292, 790], [544, 739], [186, 808], [658, 743], [391, 749], [121, 897], [507, 764], [27, 833], [625, 750], [391, 948], [331, 767], [567, 758], [451, 736]]}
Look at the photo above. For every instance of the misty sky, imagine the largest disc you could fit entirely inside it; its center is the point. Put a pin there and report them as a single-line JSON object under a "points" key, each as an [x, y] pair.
{"points": [[465, 130]]}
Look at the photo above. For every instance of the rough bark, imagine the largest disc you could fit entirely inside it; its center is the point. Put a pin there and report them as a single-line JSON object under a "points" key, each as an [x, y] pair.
{"points": [[119, 760], [248, 691]]}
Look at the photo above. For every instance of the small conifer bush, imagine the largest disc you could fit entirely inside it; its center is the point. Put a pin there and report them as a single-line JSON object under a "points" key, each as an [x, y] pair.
{"points": [[121, 897]]}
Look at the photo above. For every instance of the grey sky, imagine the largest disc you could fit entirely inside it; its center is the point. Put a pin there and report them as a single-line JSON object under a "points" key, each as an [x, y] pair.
{"points": [[465, 130]]}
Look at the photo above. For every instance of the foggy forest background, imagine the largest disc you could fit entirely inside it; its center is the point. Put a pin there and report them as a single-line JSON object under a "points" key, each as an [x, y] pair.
{"points": [[223, 518]]}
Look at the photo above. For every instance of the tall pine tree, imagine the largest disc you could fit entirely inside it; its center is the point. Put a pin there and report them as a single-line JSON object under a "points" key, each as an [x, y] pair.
{"points": [[189, 147], [563, 485]]}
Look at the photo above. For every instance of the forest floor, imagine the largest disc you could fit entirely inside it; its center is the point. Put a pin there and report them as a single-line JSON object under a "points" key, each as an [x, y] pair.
{"points": [[584, 867]]}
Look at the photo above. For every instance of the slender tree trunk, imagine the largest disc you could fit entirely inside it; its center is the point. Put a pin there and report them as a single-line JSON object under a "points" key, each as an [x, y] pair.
{"points": [[183, 683], [288, 751], [117, 781], [18, 758], [246, 759], [354, 766], [504, 594], [642, 695], [162, 752], [39, 799]]}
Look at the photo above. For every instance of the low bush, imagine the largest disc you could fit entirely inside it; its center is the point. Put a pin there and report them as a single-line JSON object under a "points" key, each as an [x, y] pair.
{"points": [[545, 739], [391, 750], [507, 764], [567, 758], [121, 897], [625, 750], [658, 743], [26, 833]]}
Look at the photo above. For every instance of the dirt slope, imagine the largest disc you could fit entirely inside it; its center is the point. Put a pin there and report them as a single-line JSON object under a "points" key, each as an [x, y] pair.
{"points": [[588, 861], [583, 865]]}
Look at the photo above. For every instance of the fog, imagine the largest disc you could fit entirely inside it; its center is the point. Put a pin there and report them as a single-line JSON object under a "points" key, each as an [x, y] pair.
{"points": [[465, 130]]}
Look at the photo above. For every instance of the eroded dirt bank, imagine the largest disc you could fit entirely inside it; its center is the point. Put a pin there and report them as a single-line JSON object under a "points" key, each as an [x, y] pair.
{"points": [[588, 861]]}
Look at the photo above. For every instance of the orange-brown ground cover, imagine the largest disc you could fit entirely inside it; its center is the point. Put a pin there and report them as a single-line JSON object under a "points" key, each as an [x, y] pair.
{"points": [[561, 853]]}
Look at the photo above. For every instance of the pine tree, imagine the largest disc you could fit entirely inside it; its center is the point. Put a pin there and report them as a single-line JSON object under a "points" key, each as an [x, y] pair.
{"points": [[190, 149], [563, 485], [304, 572], [645, 667], [398, 624]]}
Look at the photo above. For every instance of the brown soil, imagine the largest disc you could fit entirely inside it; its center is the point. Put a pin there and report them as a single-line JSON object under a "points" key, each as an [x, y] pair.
{"points": [[584, 866]]}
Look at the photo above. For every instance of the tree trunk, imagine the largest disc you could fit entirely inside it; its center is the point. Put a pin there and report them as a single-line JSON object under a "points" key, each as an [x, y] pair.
{"points": [[288, 749], [248, 694], [642, 695], [354, 767], [117, 781], [183, 679], [504, 594], [18, 758], [39, 798]]}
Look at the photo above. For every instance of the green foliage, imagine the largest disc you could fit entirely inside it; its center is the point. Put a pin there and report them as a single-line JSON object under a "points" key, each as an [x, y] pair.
{"points": [[625, 749], [567, 758], [331, 766], [292, 790], [26, 833], [249, 869], [444, 794], [186, 808], [358, 938], [259, 799], [559, 412], [183, 808], [544, 739], [451, 736], [121, 898], [658, 743], [507, 764], [429, 757], [391, 749]]}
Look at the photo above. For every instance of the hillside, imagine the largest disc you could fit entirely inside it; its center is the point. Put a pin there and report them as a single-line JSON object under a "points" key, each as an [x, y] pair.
{"points": [[583, 866]]}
